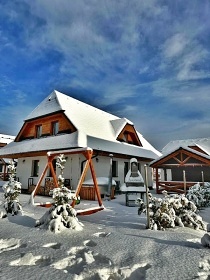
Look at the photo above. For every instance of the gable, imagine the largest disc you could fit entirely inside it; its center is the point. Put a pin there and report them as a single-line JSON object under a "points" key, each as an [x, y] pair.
{"points": [[181, 157], [29, 128], [129, 135]]}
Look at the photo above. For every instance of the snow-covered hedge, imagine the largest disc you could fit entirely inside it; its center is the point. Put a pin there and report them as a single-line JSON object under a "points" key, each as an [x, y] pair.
{"points": [[200, 195], [12, 190], [170, 211], [60, 215]]}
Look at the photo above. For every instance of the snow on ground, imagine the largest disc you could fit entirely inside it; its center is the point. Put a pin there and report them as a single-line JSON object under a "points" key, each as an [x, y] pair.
{"points": [[114, 244]]}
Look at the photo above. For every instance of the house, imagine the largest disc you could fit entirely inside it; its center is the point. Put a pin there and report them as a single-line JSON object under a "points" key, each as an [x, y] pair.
{"points": [[61, 122], [4, 140], [183, 163]]}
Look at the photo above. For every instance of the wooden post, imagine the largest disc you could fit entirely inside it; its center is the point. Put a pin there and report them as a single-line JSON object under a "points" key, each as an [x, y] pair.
{"points": [[184, 180], [202, 176], [110, 176], [147, 196], [157, 180], [96, 189]]}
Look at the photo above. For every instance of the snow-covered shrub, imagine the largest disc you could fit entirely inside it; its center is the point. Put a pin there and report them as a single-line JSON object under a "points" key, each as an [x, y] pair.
{"points": [[200, 195], [60, 215], [12, 190], [170, 211]]}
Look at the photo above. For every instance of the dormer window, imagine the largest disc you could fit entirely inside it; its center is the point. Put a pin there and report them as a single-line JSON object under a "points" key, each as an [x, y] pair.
{"points": [[129, 135], [55, 128], [38, 131]]}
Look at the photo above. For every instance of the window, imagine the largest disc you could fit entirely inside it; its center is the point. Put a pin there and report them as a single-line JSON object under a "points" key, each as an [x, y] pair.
{"points": [[126, 168], [114, 168], [38, 131], [55, 128], [35, 168]]}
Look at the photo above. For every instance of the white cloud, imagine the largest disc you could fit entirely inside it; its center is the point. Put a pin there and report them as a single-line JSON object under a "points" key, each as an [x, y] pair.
{"points": [[175, 45], [195, 58]]}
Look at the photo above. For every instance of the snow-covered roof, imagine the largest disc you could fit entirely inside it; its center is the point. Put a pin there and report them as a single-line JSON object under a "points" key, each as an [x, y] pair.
{"points": [[95, 128], [84, 117], [202, 143], [42, 144], [181, 147], [6, 139], [73, 140]]}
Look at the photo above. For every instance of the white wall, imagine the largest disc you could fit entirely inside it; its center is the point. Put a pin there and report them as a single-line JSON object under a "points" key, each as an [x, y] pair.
{"points": [[72, 169]]}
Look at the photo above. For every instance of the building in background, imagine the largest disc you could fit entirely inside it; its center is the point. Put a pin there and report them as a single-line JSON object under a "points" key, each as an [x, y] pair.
{"points": [[183, 164], [4, 140]]}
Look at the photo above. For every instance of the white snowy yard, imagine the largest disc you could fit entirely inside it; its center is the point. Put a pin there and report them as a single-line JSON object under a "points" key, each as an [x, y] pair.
{"points": [[114, 244]]}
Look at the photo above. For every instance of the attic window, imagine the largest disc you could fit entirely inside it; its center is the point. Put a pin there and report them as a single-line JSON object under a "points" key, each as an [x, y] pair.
{"points": [[38, 131], [55, 128]]}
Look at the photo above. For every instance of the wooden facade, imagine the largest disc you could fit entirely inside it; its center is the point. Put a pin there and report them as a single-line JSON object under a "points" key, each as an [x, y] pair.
{"points": [[129, 135], [186, 167], [29, 129]]}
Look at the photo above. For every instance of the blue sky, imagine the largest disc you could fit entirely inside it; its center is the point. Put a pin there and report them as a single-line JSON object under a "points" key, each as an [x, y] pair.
{"points": [[148, 61]]}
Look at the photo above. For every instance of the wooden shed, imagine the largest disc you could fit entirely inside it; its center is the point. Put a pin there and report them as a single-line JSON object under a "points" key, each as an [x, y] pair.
{"points": [[181, 168]]}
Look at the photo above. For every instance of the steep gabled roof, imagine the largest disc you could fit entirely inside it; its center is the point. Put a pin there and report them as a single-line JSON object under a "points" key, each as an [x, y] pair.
{"points": [[201, 143], [95, 128], [165, 157], [84, 117]]}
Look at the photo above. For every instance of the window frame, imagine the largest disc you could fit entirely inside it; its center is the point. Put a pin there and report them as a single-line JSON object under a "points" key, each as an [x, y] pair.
{"points": [[114, 168], [35, 168], [55, 128], [38, 131]]}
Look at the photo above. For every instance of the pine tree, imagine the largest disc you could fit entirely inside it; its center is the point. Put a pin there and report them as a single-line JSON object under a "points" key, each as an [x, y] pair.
{"points": [[170, 211], [12, 190], [61, 215]]}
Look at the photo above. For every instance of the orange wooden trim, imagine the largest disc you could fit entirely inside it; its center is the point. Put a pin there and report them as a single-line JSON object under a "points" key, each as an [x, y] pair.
{"points": [[81, 181], [40, 180], [53, 172], [95, 184]]}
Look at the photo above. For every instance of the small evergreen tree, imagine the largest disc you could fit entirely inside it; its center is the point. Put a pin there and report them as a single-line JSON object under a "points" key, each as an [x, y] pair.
{"points": [[12, 190], [61, 215], [170, 211]]}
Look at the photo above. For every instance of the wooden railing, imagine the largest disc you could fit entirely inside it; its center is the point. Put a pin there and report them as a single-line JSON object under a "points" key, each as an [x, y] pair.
{"points": [[174, 186]]}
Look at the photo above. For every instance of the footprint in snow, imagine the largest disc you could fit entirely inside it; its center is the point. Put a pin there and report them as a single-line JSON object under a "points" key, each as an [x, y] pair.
{"points": [[102, 234], [27, 259], [9, 244], [90, 243], [52, 245]]}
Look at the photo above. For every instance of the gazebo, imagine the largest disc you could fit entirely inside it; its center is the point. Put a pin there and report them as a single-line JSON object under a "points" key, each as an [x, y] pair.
{"points": [[180, 169]]}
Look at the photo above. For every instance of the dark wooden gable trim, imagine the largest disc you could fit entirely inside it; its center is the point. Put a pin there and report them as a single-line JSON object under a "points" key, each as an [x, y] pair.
{"points": [[198, 149], [181, 157], [129, 135], [28, 130]]}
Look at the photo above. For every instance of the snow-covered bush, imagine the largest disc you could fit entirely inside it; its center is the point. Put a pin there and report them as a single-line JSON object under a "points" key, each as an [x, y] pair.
{"points": [[60, 215], [12, 190], [170, 211], [200, 195]]}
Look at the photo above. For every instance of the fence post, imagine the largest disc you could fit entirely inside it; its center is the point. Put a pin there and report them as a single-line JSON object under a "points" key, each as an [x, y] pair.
{"points": [[202, 176], [184, 179], [147, 197]]}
